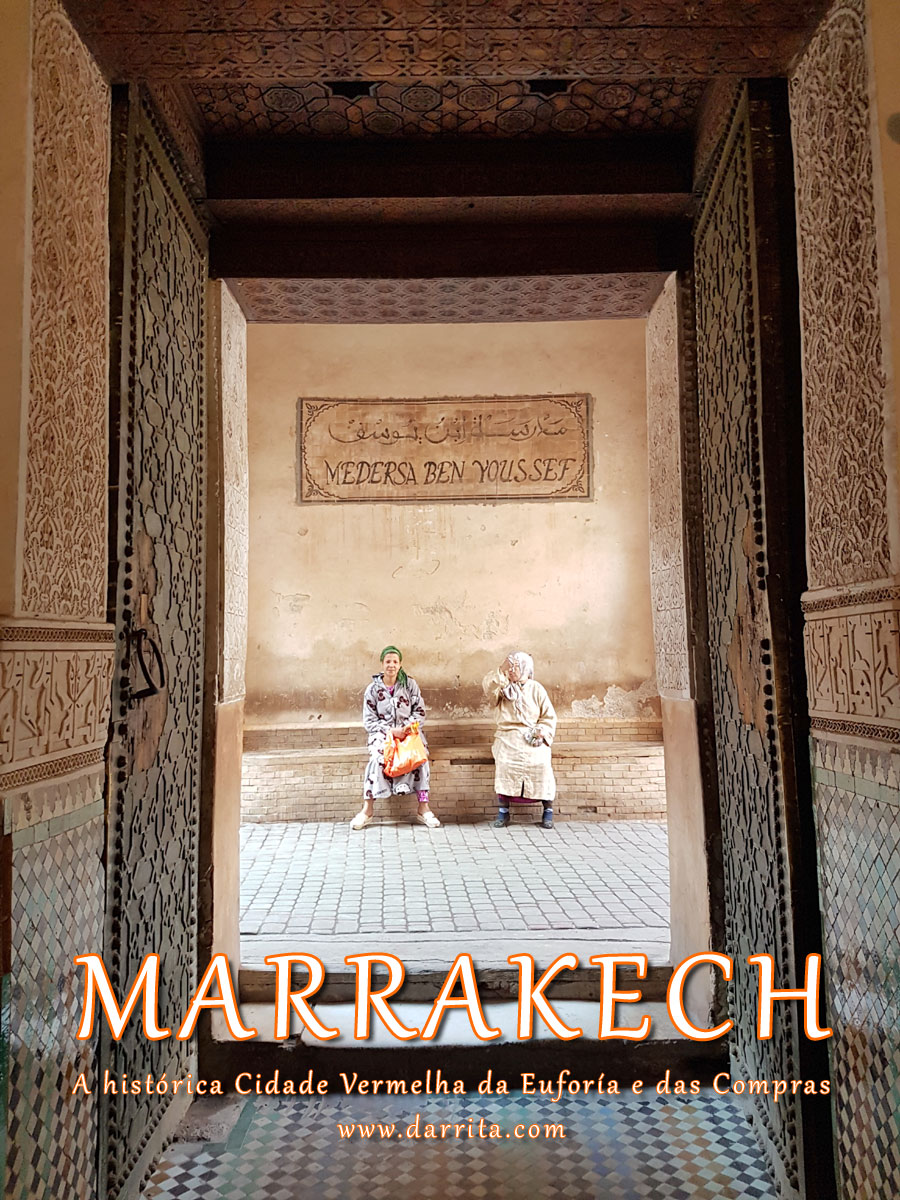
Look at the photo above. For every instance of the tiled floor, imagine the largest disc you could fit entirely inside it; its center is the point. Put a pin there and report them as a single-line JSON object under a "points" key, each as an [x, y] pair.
{"points": [[614, 1148], [322, 879]]}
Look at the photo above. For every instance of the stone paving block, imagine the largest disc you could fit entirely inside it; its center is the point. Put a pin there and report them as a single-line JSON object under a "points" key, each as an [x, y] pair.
{"points": [[586, 875]]}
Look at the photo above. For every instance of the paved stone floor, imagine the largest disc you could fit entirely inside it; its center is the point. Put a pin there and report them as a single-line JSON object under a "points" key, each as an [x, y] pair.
{"points": [[611, 1148], [608, 882]]}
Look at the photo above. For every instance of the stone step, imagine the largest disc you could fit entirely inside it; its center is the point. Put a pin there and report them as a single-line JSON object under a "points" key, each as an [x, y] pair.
{"points": [[660, 1061], [422, 983]]}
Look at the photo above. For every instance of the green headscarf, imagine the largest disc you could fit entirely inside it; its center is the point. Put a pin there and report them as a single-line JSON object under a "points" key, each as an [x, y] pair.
{"points": [[401, 674]]}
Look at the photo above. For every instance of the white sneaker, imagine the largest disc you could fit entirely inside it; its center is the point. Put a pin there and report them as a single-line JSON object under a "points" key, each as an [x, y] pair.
{"points": [[361, 820], [429, 819]]}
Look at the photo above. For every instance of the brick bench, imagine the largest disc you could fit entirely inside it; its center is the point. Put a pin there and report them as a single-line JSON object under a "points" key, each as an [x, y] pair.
{"points": [[604, 771]]}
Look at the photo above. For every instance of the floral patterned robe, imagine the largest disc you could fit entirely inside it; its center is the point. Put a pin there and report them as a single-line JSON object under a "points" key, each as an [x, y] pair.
{"points": [[381, 713]]}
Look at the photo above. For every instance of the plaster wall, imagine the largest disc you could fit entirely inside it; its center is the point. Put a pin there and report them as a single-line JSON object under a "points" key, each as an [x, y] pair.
{"points": [[455, 585]]}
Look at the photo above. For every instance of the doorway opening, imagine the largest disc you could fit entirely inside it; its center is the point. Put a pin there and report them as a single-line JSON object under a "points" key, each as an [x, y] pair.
{"points": [[457, 584]]}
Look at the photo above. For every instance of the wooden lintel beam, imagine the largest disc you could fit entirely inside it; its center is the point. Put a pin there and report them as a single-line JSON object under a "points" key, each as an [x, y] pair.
{"points": [[446, 249], [270, 169]]}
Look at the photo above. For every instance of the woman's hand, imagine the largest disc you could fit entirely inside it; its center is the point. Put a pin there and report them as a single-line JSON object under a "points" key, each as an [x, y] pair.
{"points": [[401, 731], [509, 668]]}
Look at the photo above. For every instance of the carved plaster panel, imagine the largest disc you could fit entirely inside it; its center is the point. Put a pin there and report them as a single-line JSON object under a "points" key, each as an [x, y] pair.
{"points": [[33, 805], [853, 664], [233, 367], [54, 699], [843, 369], [65, 552], [447, 301], [667, 580]]}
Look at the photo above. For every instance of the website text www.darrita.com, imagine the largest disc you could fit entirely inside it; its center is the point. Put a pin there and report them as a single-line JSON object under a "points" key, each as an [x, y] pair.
{"points": [[473, 1128]]}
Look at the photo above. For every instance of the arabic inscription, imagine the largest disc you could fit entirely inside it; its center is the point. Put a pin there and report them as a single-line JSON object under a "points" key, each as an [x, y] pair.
{"points": [[452, 448]]}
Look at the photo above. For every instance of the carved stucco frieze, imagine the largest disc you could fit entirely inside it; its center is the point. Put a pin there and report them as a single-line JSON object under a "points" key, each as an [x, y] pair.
{"points": [[853, 664], [36, 802], [54, 699], [65, 551], [233, 374], [667, 579], [844, 379]]}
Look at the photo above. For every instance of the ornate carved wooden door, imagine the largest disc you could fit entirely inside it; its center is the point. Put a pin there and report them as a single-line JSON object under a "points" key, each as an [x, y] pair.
{"points": [[752, 473], [159, 271]]}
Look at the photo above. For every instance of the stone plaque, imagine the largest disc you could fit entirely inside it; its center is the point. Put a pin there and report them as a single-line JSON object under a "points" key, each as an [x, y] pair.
{"points": [[451, 448]]}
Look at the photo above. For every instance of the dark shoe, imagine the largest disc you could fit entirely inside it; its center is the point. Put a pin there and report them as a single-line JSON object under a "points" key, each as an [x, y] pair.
{"points": [[547, 819], [501, 821]]}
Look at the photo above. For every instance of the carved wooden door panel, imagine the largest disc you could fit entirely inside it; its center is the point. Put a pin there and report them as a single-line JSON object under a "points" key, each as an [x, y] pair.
{"points": [[751, 466], [159, 271]]}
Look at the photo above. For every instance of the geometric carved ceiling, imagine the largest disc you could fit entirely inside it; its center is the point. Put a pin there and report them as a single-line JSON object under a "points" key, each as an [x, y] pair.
{"points": [[306, 92], [448, 301], [455, 108], [273, 41]]}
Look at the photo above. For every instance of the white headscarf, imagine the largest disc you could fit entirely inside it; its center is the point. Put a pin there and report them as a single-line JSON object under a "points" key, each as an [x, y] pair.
{"points": [[513, 691]]}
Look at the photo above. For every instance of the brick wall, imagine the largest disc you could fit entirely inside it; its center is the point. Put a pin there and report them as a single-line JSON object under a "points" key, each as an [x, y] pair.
{"points": [[604, 770]]}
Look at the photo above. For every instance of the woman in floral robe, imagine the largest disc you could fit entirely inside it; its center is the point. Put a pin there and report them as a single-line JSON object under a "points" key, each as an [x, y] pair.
{"points": [[391, 704]]}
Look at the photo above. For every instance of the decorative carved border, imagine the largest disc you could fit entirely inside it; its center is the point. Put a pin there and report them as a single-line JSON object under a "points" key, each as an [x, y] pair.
{"points": [[876, 595], [51, 770], [50, 633], [881, 733]]}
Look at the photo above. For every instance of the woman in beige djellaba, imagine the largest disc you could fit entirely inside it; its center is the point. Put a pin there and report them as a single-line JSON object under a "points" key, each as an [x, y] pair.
{"points": [[526, 726]]}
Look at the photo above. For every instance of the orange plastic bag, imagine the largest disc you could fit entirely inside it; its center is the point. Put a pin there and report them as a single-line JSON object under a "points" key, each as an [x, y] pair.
{"points": [[402, 755]]}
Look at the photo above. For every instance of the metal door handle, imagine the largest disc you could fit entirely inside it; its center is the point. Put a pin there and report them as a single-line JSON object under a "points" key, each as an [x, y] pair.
{"points": [[139, 637]]}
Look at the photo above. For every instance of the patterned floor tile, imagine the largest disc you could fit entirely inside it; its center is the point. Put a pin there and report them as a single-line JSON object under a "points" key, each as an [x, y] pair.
{"points": [[613, 1148]]}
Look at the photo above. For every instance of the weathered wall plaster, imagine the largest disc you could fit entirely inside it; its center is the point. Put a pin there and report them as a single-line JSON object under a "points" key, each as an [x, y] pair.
{"points": [[456, 585]]}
